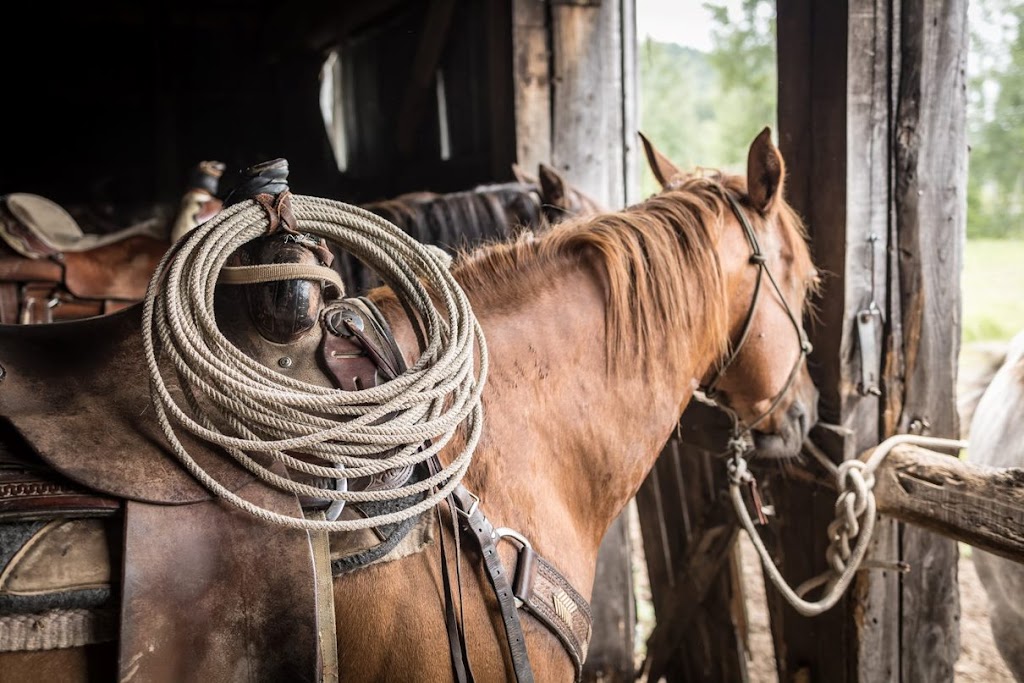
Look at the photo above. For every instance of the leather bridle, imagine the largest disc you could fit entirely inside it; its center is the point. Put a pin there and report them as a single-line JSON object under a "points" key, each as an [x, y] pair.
{"points": [[710, 389]]}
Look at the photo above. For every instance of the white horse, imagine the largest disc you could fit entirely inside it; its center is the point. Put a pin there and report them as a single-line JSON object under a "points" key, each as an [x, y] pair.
{"points": [[997, 440]]}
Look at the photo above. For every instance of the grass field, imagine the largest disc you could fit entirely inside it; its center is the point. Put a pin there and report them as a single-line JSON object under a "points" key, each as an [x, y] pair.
{"points": [[993, 290]]}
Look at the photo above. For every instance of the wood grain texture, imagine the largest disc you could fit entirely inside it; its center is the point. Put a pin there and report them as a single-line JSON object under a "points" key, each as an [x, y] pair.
{"points": [[531, 60], [688, 534], [930, 207], [981, 506], [817, 140]]}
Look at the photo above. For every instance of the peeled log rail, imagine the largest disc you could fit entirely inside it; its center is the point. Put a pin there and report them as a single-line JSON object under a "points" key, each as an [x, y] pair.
{"points": [[981, 506]]}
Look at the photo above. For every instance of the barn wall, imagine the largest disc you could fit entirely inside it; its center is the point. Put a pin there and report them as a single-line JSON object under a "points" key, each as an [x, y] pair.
{"points": [[871, 117]]}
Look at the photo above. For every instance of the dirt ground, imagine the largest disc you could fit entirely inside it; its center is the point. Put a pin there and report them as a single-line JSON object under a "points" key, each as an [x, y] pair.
{"points": [[979, 660]]}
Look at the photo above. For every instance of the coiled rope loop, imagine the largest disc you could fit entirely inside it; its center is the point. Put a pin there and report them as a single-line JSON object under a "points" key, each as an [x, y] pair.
{"points": [[855, 521], [261, 417]]}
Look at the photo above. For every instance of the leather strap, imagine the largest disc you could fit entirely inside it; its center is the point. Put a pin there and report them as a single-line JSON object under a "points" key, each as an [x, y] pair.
{"points": [[482, 531], [327, 630], [550, 598]]}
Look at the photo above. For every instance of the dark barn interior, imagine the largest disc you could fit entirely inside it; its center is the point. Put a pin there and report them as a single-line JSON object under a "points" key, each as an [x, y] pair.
{"points": [[116, 101]]}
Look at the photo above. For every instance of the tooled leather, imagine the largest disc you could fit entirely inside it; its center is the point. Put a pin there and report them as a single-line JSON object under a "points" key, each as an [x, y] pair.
{"points": [[539, 603]]}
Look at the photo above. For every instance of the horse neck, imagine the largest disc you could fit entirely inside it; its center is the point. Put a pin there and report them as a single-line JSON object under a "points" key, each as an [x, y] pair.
{"points": [[567, 442]]}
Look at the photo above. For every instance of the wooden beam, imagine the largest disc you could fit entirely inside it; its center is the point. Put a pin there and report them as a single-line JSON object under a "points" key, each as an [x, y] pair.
{"points": [[930, 208], [692, 586], [688, 534], [531, 64], [980, 506]]}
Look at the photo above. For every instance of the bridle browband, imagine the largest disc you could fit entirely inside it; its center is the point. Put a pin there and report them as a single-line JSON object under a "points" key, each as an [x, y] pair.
{"points": [[710, 389]]}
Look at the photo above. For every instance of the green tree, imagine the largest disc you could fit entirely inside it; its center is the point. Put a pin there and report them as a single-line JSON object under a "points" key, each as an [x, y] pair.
{"points": [[744, 58], [995, 195]]}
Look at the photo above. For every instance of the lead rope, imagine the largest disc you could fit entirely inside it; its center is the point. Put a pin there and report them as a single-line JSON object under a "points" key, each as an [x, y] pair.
{"points": [[855, 519], [254, 413]]}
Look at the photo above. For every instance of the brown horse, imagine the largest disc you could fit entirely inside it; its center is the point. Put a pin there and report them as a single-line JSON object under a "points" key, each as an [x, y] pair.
{"points": [[599, 332]]}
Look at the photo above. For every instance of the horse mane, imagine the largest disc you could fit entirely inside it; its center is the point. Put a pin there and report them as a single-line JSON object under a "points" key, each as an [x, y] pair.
{"points": [[665, 289]]}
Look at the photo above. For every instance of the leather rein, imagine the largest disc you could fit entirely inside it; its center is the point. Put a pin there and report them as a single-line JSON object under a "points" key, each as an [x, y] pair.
{"points": [[710, 390]]}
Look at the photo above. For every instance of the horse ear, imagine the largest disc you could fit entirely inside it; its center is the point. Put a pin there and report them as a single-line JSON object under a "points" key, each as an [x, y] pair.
{"points": [[522, 176], [553, 187], [663, 169], [766, 172]]}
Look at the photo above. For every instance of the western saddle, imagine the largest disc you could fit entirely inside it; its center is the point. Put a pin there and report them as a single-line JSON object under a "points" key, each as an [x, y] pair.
{"points": [[81, 455], [52, 270]]}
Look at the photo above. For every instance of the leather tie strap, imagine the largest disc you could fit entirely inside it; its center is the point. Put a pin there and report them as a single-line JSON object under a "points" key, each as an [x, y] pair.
{"points": [[483, 532]]}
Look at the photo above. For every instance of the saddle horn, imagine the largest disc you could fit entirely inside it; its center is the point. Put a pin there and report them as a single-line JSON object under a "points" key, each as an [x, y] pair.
{"points": [[282, 311]]}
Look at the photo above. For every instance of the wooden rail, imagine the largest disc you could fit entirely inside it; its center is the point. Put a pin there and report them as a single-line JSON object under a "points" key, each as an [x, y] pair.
{"points": [[981, 506], [978, 505]]}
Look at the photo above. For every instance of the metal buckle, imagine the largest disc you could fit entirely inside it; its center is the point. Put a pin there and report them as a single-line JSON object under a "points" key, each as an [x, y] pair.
{"points": [[472, 508], [340, 484], [522, 541]]}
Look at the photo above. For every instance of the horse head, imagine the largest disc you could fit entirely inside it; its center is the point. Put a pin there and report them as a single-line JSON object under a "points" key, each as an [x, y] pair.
{"points": [[559, 198], [762, 379]]}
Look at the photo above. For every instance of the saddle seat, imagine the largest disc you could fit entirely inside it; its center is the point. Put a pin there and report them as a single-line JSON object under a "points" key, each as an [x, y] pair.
{"points": [[50, 269]]}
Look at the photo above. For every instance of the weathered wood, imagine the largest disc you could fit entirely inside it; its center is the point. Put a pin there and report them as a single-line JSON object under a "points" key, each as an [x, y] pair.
{"points": [[930, 148], [817, 139], [692, 584], [531, 60], [614, 604], [688, 534], [587, 98], [586, 103], [981, 506], [974, 504]]}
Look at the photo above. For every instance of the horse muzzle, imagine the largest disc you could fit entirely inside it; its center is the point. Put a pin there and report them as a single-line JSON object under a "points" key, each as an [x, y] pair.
{"points": [[787, 439]]}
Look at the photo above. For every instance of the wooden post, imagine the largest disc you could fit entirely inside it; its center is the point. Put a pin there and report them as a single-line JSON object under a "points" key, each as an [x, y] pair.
{"points": [[573, 76], [930, 208], [871, 113]]}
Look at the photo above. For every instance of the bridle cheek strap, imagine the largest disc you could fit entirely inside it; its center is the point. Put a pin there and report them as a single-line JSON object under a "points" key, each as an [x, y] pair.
{"points": [[757, 259]]}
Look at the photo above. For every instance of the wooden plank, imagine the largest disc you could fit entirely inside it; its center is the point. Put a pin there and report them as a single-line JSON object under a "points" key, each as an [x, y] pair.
{"points": [[930, 208], [613, 603], [874, 605], [587, 98], [815, 141], [688, 535], [531, 61]]}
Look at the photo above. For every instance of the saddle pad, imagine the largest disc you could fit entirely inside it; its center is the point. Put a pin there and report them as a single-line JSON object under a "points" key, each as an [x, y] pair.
{"points": [[211, 593], [78, 392], [54, 227]]}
